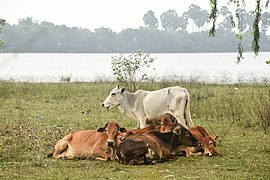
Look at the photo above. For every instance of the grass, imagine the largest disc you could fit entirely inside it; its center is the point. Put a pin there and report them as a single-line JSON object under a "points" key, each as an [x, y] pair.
{"points": [[34, 116]]}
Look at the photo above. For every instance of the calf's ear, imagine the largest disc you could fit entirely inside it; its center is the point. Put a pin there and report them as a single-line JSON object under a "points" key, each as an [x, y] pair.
{"points": [[213, 137], [177, 131], [122, 130], [123, 90], [105, 125], [100, 129]]}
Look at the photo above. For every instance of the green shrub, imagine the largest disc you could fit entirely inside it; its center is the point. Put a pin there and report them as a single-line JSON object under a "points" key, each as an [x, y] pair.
{"points": [[131, 69]]}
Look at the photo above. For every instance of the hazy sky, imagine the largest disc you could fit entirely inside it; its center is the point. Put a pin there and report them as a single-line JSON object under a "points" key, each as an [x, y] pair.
{"points": [[92, 14]]}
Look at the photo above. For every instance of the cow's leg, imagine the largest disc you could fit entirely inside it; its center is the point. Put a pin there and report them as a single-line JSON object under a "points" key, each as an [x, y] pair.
{"points": [[100, 154], [189, 123], [188, 151], [60, 148], [142, 122], [138, 125], [111, 152], [194, 151], [102, 159], [138, 160], [197, 154]]}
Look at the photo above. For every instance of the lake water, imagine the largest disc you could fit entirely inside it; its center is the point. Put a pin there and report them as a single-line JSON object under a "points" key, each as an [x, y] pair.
{"points": [[209, 67]]}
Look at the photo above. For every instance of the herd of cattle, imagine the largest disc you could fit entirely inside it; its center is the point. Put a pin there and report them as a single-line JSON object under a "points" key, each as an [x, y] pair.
{"points": [[165, 130]]}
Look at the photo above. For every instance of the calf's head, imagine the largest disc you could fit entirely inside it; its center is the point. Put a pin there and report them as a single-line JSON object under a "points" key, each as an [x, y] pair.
{"points": [[185, 136], [209, 145], [111, 130], [115, 98], [166, 124]]}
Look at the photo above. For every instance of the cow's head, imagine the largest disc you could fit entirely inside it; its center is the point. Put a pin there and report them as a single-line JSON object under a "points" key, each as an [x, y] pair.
{"points": [[111, 130], [209, 145], [115, 98], [185, 136], [166, 124]]}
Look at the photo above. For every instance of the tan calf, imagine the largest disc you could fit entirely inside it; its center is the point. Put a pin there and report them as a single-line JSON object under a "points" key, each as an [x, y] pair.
{"points": [[208, 143], [94, 144]]}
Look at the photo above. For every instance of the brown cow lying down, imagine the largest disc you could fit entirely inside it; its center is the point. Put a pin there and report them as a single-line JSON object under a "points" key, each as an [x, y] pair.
{"points": [[166, 116], [94, 144], [154, 145], [165, 125], [208, 143]]}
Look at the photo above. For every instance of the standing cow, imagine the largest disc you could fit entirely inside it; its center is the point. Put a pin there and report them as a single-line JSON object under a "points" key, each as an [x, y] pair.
{"points": [[146, 105]]}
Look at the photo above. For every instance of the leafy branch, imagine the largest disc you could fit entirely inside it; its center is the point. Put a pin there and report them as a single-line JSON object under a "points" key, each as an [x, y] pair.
{"points": [[2, 23], [256, 30], [131, 69]]}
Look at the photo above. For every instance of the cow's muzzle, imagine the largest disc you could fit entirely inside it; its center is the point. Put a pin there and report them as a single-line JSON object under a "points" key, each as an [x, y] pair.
{"points": [[107, 107], [110, 143], [208, 154]]}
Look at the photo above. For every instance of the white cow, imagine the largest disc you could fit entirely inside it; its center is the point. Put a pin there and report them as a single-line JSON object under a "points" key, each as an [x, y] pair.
{"points": [[147, 105]]}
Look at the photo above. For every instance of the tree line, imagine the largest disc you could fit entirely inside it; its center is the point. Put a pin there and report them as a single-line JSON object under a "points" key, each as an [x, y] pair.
{"points": [[168, 34]]}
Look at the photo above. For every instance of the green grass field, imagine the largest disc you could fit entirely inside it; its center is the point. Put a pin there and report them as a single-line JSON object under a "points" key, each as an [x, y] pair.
{"points": [[34, 116]]}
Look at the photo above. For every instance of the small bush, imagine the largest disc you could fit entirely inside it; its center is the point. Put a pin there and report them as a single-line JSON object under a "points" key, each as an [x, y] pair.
{"points": [[65, 78], [131, 69]]}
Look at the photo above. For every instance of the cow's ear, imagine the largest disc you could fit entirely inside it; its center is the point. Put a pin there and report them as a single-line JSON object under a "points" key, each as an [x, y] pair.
{"points": [[215, 138], [100, 129], [119, 86], [123, 90], [122, 130], [177, 131], [105, 125]]}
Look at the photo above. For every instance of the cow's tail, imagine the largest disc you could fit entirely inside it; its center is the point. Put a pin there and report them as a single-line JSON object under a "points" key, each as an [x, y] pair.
{"points": [[50, 155], [187, 114]]}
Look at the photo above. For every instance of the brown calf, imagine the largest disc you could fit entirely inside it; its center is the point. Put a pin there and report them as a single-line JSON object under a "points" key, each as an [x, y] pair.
{"points": [[208, 143], [94, 144], [165, 125], [154, 145]]}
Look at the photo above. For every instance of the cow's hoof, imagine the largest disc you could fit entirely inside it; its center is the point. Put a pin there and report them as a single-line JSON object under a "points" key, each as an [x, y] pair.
{"points": [[153, 162], [133, 162]]}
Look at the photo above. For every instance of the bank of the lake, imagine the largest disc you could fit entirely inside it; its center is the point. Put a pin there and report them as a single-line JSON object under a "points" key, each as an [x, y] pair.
{"points": [[204, 67]]}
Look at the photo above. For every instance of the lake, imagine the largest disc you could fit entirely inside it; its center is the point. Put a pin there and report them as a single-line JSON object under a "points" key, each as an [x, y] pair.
{"points": [[207, 67]]}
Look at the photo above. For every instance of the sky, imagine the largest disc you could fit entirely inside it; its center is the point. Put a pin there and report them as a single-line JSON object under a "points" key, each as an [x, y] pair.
{"points": [[92, 14]]}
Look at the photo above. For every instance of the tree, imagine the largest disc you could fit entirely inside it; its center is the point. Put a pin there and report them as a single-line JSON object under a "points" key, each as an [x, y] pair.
{"points": [[131, 69], [2, 23], [199, 16], [150, 19], [255, 26], [106, 39], [183, 21], [170, 20], [265, 21], [227, 24]]}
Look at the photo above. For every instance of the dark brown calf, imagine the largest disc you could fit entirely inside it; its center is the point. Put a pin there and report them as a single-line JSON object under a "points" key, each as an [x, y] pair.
{"points": [[154, 145], [95, 144]]}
